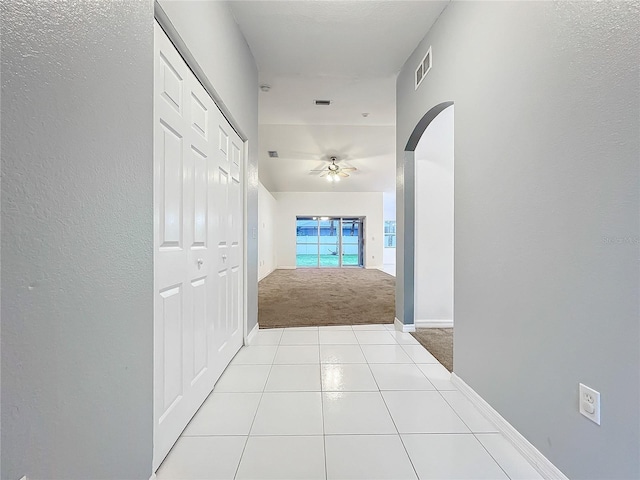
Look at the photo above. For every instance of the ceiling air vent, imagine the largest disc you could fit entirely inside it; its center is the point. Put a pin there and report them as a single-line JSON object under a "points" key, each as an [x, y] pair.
{"points": [[423, 68], [273, 154], [323, 102]]}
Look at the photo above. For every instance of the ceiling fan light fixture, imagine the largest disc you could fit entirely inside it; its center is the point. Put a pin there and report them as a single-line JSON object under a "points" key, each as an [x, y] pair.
{"points": [[333, 171]]}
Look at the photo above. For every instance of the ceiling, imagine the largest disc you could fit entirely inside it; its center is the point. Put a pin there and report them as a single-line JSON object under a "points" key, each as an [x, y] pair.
{"points": [[348, 52]]}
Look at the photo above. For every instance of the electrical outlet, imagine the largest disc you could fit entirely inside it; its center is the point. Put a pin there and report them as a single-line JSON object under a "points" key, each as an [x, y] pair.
{"points": [[590, 403]]}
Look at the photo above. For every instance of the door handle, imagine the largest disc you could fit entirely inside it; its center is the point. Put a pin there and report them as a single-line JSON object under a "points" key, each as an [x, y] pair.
{"points": [[200, 262], [224, 257]]}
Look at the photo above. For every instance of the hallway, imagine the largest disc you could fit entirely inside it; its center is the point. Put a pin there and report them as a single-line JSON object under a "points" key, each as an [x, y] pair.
{"points": [[339, 402], [546, 236]]}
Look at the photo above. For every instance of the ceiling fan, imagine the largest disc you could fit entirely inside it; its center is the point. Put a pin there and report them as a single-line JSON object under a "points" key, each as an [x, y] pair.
{"points": [[333, 172]]}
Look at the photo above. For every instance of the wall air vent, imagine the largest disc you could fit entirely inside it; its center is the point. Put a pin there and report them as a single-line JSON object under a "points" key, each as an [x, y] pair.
{"points": [[325, 103], [273, 154], [423, 68]]}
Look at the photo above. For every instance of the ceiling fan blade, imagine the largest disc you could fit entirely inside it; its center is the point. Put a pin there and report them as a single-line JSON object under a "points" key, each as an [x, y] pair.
{"points": [[326, 172], [320, 170], [343, 174], [348, 169]]}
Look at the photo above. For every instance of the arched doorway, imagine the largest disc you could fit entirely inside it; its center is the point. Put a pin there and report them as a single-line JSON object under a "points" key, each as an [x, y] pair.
{"points": [[406, 218]]}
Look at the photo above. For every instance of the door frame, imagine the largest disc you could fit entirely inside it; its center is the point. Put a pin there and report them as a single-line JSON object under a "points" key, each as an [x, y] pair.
{"points": [[361, 239], [405, 218], [174, 37]]}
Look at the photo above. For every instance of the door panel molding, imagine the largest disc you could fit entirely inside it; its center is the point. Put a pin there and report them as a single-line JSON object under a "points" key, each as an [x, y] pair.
{"points": [[198, 216]]}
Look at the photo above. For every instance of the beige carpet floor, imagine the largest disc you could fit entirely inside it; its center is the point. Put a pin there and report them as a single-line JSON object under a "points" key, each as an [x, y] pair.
{"points": [[439, 341], [327, 296]]}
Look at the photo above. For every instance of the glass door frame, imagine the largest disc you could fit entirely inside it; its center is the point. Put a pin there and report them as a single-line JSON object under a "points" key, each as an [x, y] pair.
{"points": [[359, 244], [340, 253]]}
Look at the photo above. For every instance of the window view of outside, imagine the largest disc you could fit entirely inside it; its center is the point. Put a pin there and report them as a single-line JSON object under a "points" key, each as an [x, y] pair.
{"points": [[390, 234], [329, 243], [321, 243], [307, 242], [350, 241]]}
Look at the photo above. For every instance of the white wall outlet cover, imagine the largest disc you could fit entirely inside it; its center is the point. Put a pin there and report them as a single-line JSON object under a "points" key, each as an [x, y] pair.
{"points": [[589, 403]]}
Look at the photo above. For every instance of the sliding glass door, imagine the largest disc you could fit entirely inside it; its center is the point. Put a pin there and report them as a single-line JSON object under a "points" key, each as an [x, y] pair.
{"points": [[306, 242], [351, 242], [329, 242]]}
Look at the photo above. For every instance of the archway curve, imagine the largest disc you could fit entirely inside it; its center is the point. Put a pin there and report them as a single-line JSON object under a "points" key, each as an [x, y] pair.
{"points": [[405, 280], [422, 125]]}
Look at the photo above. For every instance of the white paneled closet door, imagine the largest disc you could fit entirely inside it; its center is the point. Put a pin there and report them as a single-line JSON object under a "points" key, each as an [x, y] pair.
{"points": [[227, 333], [198, 218]]}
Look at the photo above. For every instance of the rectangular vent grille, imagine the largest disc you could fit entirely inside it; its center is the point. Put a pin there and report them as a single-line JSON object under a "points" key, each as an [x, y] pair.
{"points": [[323, 102], [273, 154], [423, 68]]}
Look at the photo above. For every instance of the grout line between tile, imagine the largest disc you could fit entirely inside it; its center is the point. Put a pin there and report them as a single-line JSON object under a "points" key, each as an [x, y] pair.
{"points": [[459, 416], [487, 450], [381, 396], [425, 375], [324, 435], [255, 415], [392, 419], [408, 456]]}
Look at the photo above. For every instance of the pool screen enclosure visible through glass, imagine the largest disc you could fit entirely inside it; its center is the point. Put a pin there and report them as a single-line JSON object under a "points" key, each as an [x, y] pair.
{"points": [[329, 242]]}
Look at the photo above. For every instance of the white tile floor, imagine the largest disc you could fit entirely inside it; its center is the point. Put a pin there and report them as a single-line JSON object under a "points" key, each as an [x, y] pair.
{"points": [[339, 403]]}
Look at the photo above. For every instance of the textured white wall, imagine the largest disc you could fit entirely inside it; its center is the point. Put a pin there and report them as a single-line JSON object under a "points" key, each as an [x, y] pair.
{"points": [[216, 42], [547, 115], [336, 204], [77, 239], [267, 210], [433, 287]]}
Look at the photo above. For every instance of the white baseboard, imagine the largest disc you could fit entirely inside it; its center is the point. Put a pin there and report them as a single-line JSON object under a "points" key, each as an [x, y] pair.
{"points": [[260, 277], [537, 460], [434, 323], [401, 327], [252, 334], [373, 267], [285, 268]]}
